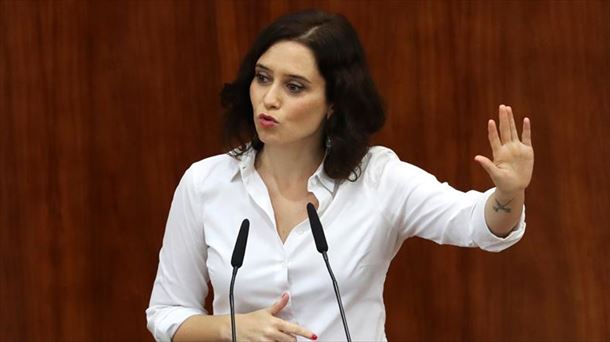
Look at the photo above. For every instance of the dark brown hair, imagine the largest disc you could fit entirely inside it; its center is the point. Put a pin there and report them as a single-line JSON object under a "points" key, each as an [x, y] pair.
{"points": [[357, 107]]}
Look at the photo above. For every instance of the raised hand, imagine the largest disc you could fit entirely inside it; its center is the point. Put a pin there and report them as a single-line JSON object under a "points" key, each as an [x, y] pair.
{"points": [[513, 159], [263, 325]]}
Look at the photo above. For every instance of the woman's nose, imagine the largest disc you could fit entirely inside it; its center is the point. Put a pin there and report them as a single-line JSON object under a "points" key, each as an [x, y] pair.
{"points": [[271, 100]]}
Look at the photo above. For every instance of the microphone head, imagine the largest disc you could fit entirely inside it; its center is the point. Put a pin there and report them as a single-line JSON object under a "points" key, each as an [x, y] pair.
{"points": [[316, 229], [240, 245]]}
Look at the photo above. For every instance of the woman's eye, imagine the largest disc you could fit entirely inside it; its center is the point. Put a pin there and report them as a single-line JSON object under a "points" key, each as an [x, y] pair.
{"points": [[294, 88], [262, 78]]}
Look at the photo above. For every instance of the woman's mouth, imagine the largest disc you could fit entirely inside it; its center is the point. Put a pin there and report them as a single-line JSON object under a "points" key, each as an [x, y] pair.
{"points": [[267, 121]]}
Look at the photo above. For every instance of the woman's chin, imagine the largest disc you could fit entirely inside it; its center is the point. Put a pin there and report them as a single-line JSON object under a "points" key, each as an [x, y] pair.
{"points": [[270, 142], [268, 139]]}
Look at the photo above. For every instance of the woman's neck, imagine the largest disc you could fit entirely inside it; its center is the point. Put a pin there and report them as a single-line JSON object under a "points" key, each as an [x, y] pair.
{"points": [[288, 165]]}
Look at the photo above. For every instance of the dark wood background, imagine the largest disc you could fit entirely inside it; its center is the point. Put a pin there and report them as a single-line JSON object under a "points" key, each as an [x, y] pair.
{"points": [[104, 104]]}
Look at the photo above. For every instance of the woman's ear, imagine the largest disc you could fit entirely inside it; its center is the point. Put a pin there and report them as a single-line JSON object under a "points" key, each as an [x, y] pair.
{"points": [[329, 112]]}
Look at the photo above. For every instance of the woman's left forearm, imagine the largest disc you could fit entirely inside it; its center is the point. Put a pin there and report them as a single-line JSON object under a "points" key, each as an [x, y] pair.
{"points": [[502, 212], [510, 171]]}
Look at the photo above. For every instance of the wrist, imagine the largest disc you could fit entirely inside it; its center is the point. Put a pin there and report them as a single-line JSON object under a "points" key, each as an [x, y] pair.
{"points": [[225, 328], [504, 196]]}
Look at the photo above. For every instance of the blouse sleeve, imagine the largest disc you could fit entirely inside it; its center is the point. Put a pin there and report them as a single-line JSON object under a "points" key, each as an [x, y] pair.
{"points": [[180, 286], [417, 204]]}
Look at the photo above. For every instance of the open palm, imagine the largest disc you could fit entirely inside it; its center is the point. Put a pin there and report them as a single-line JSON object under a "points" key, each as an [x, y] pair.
{"points": [[513, 159]]}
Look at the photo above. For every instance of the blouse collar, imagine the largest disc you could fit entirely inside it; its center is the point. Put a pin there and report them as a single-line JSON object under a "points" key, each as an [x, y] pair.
{"points": [[319, 177]]}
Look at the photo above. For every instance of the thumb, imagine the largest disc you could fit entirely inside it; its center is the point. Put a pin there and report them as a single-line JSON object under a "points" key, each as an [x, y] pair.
{"points": [[487, 164], [279, 305]]}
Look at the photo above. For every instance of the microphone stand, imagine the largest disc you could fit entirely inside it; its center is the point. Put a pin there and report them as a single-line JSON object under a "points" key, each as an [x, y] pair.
{"points": [[322, 247], [232, 305], [236, 261], [338, 295]]}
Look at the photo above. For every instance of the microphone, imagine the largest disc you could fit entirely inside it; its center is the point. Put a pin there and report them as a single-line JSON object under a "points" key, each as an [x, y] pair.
{"points": [[236, 261], [322, 247], [240, 245]]}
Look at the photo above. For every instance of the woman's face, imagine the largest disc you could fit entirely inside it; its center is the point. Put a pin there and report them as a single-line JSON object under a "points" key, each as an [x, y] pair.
{"points": [[288, 96]]}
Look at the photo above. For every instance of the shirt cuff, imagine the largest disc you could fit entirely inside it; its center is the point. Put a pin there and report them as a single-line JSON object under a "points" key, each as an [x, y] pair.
{"points": [[483, 236], [168, 321]]}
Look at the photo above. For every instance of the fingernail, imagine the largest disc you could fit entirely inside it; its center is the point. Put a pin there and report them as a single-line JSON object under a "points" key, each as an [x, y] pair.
{"points": [[284, 295], [314, 337]]}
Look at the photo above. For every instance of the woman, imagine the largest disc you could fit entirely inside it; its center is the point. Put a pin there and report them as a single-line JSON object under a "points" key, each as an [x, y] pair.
{"points": [[302, 109]]}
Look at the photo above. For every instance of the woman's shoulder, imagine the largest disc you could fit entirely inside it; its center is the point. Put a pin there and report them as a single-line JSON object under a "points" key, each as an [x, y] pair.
{"points": [[218, 167], [381, 162], [374, 163], [378, 153], [219, 160], [376, 160]]}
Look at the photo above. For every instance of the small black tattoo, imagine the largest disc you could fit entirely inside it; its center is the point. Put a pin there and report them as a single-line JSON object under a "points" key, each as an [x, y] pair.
{"points": [[499, 206]]}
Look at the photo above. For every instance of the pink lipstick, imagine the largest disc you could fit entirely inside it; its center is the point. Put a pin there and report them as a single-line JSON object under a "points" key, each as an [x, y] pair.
{"points": [[267, 121]]}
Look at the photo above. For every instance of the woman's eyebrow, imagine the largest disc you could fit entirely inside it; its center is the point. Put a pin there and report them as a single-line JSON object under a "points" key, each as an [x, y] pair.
{"points": [[298, 77]]}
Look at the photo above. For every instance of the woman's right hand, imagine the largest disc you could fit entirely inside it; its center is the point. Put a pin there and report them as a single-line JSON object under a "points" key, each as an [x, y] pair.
{"points": [[263, 325]]}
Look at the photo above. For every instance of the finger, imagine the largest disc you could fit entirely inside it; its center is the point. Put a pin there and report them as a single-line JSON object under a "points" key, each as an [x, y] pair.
{"points": [[279, 305], [513, 128], [504, 125], [492, 135], [487, 164], [294, 329], [282, 336], [526, 136]]}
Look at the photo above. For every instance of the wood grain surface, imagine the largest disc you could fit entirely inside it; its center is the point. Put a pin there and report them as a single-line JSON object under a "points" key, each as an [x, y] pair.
{"points": [[104, 104]]}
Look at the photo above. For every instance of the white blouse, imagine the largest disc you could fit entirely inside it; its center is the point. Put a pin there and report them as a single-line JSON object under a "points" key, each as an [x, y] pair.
{"points": [[365, 223]]}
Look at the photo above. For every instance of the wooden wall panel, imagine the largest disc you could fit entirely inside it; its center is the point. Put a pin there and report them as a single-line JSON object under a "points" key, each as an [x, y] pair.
{"points": [[104, 104]]}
